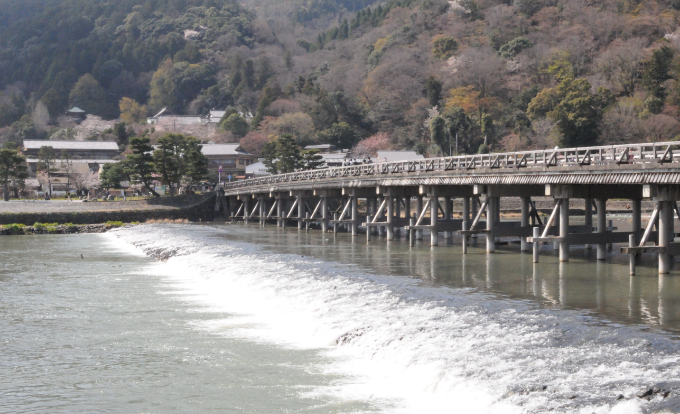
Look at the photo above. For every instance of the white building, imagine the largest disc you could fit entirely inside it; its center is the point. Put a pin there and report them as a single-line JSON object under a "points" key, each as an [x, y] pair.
{"points": [[392, 156]]}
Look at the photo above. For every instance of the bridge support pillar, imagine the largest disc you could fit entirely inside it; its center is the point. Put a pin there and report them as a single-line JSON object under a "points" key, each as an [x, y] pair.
{"points": [[381, 215], [447, 216], [419, 211], [407, 207], [390, 217], [263, 210], [434, 214], [524, 208], [301, 211], [491, 223], [588, 219], [324, 214], [355, 214], [601, 204], [246, 209], [636, 206], [279, 210], [665, 236], [473, 210], [564, 230]]}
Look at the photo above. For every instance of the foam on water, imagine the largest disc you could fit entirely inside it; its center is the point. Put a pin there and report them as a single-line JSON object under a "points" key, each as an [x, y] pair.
{"points": [[405, 346]]}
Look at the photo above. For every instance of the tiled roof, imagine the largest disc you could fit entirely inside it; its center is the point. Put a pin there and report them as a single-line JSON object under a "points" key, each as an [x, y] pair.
{"points": [[72, 145], [223, 149]]}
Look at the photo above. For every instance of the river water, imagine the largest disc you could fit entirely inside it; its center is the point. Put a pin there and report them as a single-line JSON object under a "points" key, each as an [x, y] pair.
{"points": [[237, 319]]}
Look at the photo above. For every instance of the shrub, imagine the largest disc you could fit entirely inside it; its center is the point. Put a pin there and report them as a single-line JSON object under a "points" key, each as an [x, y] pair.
{"points": [[15, 228], [114, 223], [41, 226]]}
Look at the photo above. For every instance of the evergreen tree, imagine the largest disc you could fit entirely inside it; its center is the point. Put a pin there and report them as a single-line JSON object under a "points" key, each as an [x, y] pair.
{"points": [[312, 160], [269, 153], [88, 95], [433, 90], [12, 165], [112, 174], [139, 165], [167, 159], [195, 163], [288, 154], [439, 133]]}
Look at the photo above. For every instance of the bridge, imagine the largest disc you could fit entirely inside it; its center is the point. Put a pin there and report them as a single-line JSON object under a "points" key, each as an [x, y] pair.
{"points": [[416, 196]]}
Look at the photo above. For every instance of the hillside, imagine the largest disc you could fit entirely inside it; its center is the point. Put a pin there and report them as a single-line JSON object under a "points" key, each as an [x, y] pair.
{"points": [[413, 74]]}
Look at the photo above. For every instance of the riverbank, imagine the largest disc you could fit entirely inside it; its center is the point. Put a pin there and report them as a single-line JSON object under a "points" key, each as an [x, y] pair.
{"points": [[195, 208]]}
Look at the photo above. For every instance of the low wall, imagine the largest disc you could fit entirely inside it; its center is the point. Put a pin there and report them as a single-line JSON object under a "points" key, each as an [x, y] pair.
{"points": [[203, 210]]}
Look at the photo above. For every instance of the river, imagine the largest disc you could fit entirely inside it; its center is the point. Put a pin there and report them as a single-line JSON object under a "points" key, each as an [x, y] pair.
{"points": [[237, 319]]}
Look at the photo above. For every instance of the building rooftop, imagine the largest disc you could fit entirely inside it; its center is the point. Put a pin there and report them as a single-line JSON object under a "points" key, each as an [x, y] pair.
{"points": [[391, 156], [72, 145], [75, 110], [223, 149], [321, 146]]}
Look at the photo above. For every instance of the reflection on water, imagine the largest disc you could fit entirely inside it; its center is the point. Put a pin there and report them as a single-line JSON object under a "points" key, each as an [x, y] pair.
{"points": [[603, 288]]}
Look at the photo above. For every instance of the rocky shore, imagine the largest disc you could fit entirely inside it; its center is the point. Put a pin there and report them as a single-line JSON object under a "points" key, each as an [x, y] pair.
{"points": [[16, 229]]}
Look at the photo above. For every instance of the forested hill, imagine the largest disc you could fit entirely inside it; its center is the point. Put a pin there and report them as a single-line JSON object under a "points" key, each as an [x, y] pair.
{"points": [[411, 74]]}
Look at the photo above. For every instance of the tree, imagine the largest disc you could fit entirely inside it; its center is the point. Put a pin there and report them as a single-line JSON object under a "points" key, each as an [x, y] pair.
{"points": [[47, 160], [288, 153], [139, 164], [514, 47], [458, 125], [311, 160], [12, 165], [236, 125], [132, 112], [163, 89], [167, 159], [269, 153], [112, 174], [41, 117], [195, 163], [439, 133], [657, 70], [342, 135], [87, 181], [433, 90], [122, 135], [444, 47], [90, 96], [576, 111]]}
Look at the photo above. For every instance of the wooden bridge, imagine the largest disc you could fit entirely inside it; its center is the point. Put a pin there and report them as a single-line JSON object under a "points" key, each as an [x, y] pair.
{"points": [[379, 198]]}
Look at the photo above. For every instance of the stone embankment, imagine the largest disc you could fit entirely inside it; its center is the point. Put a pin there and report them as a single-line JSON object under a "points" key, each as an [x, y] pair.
{"points": [[187, 207], [15, 230]]}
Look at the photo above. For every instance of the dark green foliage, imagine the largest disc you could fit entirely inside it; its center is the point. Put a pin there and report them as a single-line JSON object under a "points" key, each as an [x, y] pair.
{"points": [[139, 165], [236, 125], [514, 47], [311, 160], [365, 17], [433, 90], [178, 159], [288, 154], [657, 70], [458, 124], [112, 174], [342, 135], [12, 165], [50, 45], [575, 108], [88, 95], [439, 133], [444, 47]]}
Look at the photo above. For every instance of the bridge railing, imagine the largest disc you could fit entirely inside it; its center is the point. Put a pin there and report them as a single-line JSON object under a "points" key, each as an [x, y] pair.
{"points": [[658, 153]]}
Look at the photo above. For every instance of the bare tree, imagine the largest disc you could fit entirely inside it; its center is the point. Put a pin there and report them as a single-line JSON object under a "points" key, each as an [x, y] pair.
{"points": [[41, 117], [482, 68], [620, 64], [621, 124], [543, 133], [659, 128]]}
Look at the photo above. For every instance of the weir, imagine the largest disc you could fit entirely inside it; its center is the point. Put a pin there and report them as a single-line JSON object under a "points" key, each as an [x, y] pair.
{"points": [[410, 197]]}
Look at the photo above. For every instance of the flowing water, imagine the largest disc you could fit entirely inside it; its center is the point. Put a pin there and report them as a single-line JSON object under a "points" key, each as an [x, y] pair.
{"points": [[236, 319]]}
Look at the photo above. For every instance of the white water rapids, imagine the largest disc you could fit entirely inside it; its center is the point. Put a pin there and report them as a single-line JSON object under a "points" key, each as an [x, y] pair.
{"points": [[405, 346]]}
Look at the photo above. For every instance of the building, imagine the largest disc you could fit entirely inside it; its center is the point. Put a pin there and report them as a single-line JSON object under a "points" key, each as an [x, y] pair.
{"points": [[322, 148], [257, 169], [231, 157], [76, 114], [335, 159], [215, 116], [166, 118], [391, 156], [93, 153]]}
